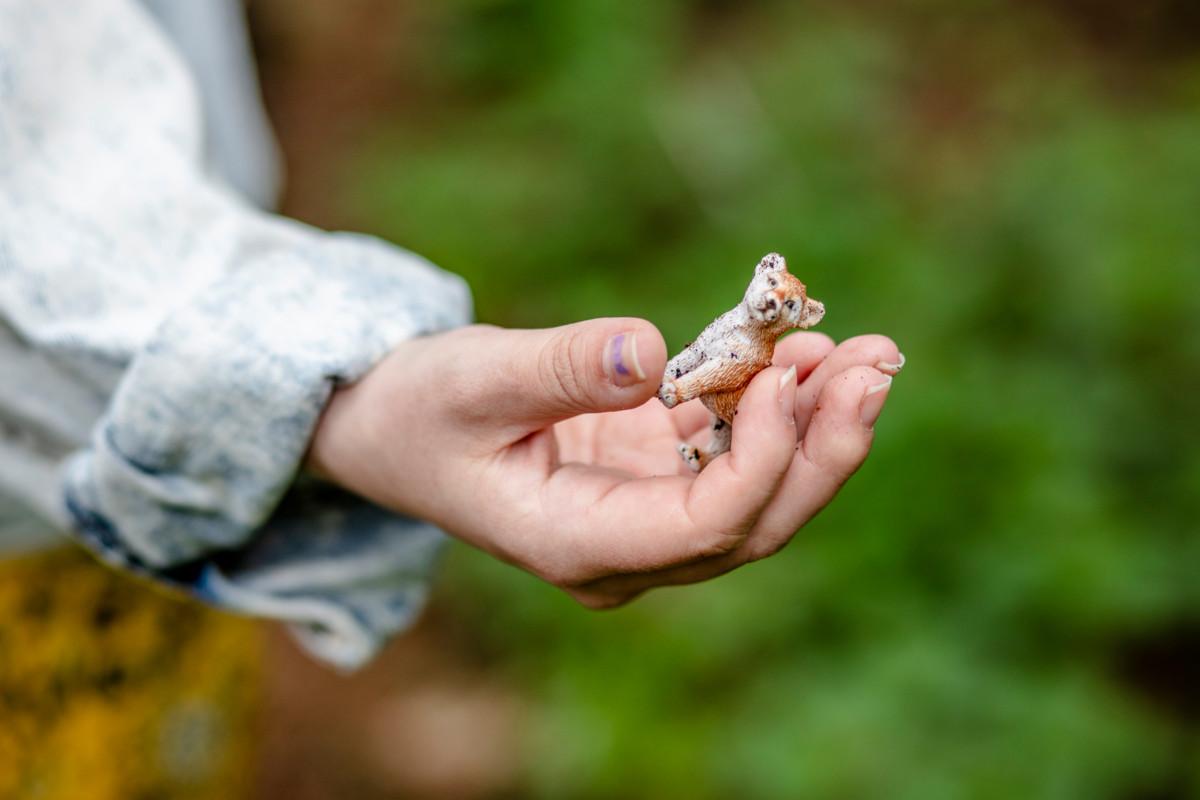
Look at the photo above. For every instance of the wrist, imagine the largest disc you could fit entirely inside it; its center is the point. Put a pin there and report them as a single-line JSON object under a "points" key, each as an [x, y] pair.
{"points": [[372, 437], [324, 457]]}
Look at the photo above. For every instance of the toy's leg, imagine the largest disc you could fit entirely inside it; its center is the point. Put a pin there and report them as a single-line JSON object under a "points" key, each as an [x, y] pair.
{"points": [[688, 360], [697, 458], [712, 376]]}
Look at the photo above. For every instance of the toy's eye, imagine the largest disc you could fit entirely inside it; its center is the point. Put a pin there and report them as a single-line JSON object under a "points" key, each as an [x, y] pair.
{"points": [[772, 282], [790, 304]]}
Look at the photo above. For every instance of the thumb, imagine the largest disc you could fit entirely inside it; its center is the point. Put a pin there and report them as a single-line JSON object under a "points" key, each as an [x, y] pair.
{"points": [[598, 365]]}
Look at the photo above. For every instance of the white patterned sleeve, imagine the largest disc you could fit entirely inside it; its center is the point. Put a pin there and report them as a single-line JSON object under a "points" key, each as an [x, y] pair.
{"points": [[214, 332]]}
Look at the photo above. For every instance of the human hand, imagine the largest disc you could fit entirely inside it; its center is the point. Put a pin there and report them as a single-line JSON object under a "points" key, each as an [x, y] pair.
{"points": [[547, 449]]}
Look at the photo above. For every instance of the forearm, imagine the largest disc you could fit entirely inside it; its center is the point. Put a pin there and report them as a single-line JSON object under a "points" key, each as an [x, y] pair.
{"points": [[207, 335]]}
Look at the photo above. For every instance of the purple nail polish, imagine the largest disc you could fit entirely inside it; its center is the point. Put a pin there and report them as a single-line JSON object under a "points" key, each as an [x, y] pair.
{"points": [[621, 360], [618, 362]]}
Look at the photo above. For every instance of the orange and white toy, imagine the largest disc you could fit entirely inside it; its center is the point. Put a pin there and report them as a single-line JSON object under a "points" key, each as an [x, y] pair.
{"points": [[738, 345]]}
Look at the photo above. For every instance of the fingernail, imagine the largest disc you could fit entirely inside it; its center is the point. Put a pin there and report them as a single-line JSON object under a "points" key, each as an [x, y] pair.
{"points": [[873, 400], [884, 366], [787, 401], [621, 360], [786, 378]]}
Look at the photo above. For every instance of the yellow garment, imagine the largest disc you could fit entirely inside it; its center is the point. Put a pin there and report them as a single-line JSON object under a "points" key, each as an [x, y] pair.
{"points": [[111, 688]]}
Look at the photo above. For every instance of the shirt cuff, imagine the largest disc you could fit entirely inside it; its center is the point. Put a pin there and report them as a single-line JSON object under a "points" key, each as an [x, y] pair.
{"points": [[187, 472]]}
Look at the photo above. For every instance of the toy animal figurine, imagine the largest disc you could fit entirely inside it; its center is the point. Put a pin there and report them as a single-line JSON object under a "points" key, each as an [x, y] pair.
{"points": [[738, 345]]}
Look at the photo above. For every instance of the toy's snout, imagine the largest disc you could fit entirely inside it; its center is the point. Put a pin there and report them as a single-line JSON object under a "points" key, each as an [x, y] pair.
{"points": [[766, 307]]}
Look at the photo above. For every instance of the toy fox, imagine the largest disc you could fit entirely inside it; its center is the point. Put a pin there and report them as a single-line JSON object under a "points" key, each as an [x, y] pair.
{"points": [[738, 345]]}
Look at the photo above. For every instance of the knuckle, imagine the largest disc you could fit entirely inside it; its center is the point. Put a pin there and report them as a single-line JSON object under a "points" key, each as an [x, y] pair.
{"points": [[840, 457], [853, 382], [768, 546], [823, 342], [871, 347], [759, 552], [719, 543], [560, 370]]}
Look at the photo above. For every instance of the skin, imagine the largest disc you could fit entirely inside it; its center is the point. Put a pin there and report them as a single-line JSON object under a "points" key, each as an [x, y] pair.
{"points": [[532, 449]]}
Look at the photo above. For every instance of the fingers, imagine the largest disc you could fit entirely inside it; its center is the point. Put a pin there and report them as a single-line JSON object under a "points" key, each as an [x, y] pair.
{"points": [[527, 379], [805, 350], [636, 534], [840, 434], [731, 491], [836, 444], [878, 352], [641, 526]]}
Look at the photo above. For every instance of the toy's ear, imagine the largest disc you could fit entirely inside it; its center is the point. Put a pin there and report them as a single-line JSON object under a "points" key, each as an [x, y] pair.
{"points": [[772, 262]]}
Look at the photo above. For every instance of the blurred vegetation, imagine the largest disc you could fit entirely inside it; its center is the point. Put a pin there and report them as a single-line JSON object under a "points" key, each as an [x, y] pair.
{"points": [[1005, 602]]}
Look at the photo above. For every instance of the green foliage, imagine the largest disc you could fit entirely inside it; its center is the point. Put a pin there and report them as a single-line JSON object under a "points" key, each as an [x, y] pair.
{"points": [[962, 621]]}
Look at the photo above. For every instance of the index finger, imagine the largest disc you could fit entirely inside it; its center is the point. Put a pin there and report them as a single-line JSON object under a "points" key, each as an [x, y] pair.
{"points": [[615, 525], [734, 488]]}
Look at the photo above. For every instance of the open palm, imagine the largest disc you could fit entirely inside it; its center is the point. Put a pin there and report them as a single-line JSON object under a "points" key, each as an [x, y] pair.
{"points": [[521, 443]]}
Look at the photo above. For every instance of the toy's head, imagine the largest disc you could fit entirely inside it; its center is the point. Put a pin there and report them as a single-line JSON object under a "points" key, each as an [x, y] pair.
{"points": [[777, 298]]}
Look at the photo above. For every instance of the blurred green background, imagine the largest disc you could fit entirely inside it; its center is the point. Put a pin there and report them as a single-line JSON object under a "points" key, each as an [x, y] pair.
{"points": [[1005, 601]]}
